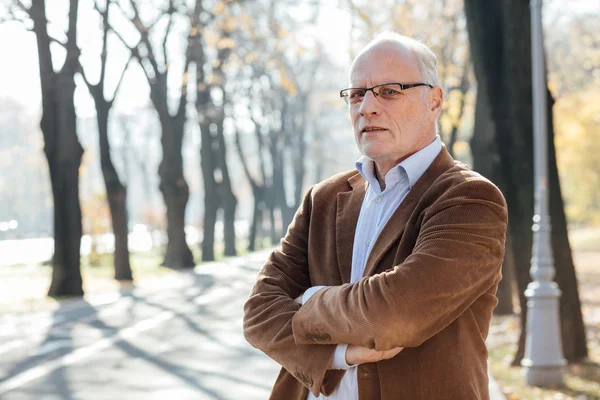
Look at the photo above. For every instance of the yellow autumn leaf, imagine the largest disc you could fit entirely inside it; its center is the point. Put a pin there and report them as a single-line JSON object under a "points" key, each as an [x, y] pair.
{"points": [[250, 57], [219, 7], [286, 83], [282, 33], [226, 43], [228, 24], [211, 38]]}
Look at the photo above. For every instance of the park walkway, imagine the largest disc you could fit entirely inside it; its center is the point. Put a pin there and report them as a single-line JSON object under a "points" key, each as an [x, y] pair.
{"points": [[178, 338]]}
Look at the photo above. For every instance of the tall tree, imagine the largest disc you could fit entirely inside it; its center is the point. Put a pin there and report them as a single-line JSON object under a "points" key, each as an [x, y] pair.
{"points": [[173, 185], [276, 75], [61, 145], [293, 74], [211, 102], [116, 193], [499, 35], [256, 95]]}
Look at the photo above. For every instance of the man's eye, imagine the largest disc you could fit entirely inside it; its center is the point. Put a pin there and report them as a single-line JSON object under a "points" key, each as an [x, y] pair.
{"points": [[357, 93], [386, 91]]}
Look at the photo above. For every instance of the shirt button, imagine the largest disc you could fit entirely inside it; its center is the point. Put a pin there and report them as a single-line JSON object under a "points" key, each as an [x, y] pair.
{"points": [[368, 242], [377, 199]]}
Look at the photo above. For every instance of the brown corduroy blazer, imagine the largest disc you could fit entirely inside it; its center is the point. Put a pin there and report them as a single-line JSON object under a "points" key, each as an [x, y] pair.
{"points": [[429, 285]]}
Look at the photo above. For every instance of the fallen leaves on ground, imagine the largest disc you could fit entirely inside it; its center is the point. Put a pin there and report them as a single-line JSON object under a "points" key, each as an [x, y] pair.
{"points": [[582, 380]]}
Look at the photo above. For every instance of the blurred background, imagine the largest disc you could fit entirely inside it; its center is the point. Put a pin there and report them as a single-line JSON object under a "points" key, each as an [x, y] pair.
{"points": [[140, 138]]}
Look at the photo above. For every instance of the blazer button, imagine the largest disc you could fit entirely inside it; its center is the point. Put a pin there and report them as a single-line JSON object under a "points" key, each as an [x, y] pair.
{"points": [[365, 374]]}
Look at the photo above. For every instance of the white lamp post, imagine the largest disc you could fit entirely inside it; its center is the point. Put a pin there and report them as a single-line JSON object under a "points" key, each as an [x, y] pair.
{"points": [[543, 362]]}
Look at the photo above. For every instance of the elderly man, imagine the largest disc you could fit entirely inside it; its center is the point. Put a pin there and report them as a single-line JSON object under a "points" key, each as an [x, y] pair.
{"points": [[384, 285]]}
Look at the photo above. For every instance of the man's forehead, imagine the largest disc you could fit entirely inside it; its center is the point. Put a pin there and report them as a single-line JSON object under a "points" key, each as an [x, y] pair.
{"points": [[374, 75], [383, 65]]}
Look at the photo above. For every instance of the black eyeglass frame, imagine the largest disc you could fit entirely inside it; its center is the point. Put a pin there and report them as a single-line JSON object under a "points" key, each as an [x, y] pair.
{"points": [[403, 86]]}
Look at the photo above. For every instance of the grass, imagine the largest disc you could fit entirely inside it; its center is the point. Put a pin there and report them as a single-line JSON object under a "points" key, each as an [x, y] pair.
{"points": [[582, 380], [24, 287]]}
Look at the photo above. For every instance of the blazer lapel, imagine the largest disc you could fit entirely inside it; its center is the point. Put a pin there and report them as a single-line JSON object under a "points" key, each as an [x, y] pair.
{"points": [[348, 209], [394, 228]]}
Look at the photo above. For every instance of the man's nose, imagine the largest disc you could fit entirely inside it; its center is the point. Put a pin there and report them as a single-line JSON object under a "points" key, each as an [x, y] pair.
{"points": [[369, 104]]}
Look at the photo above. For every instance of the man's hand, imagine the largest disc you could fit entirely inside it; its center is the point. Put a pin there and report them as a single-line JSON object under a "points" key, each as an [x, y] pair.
{"points": [[361, 355]]}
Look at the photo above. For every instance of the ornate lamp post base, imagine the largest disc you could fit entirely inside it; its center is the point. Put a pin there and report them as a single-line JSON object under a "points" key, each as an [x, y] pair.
{"points": [[544, 376], [543, 363]]}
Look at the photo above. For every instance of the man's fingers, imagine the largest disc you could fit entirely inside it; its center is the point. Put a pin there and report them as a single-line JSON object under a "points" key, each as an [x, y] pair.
{"points": [[360, 355], [391, 353]]}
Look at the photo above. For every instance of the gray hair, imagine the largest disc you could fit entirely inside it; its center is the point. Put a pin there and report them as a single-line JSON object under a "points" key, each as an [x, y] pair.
{"points": [[425, 57]]}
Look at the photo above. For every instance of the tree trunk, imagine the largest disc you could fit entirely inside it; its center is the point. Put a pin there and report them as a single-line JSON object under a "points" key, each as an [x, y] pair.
{"points": [[176, 194], [63, 151], [228, 200], [505, 288], [254, 226], [275, 233], [174, 189], [64, 176], [117, 201], [218, 192], [499, 33], [210, 218], [211, 196], [482, 146], [572, 324], [229, 206], [116, 194]]}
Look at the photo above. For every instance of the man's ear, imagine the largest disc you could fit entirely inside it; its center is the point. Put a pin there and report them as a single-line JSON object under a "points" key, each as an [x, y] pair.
{"points": [[436, 100]]}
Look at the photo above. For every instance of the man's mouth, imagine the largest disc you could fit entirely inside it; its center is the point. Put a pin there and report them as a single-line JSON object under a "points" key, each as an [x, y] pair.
{"points": [[372, 129]]}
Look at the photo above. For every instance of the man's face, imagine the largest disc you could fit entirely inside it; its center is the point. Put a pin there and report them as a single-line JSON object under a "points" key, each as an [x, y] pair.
{"points": [[388, 131]]}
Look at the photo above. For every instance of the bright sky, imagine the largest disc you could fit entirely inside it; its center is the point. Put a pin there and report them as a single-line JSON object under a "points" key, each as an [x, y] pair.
{"points": [[19, 75]]}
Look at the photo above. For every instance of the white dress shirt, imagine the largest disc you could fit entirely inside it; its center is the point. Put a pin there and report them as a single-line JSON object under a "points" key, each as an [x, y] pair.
{"points": [[377, 208]]}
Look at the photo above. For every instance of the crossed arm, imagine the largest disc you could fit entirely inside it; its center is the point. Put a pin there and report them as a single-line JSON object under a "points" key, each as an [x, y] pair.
{"points": [[346, 355], [456, 259]]}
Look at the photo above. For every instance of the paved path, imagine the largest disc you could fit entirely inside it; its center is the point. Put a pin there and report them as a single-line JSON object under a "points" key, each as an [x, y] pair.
{"points": [[180, 340]]}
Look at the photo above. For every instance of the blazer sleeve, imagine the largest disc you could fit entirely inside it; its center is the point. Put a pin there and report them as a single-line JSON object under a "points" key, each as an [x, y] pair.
{"points": [[269, 310], [456, 259]]}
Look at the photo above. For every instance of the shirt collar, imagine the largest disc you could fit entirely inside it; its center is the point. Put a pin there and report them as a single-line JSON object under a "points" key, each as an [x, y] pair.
{"points": [[413, 167]]}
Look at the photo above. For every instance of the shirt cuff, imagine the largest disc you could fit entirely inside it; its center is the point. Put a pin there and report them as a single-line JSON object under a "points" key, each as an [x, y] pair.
{"points": [[339, 358], [309, 292]]}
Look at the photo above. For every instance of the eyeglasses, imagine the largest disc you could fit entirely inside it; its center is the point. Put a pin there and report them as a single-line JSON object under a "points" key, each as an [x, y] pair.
{"points": [[387, 91]]}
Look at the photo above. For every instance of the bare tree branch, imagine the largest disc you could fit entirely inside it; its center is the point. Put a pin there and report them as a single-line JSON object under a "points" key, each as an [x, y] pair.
{"points": [[54, 40], [238, 145], [84, 76], [12, 15], [143, 31], [261, 145], [23, 7], [164, 42], [362, 15], [121, 79], [106, 28], [134, 52]]}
